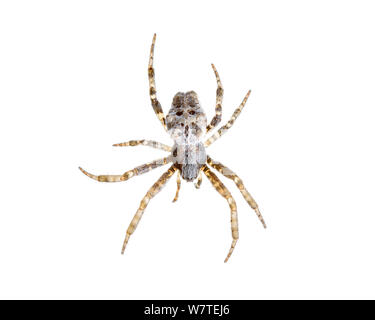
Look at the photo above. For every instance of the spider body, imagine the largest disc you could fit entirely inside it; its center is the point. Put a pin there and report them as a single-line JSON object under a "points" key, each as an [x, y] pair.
{"points": [[187, 125], [186, 122]]}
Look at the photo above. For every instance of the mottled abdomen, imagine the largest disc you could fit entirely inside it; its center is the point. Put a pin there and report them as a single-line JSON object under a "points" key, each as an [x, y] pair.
{"points": [[189, 159], [186, 123]]}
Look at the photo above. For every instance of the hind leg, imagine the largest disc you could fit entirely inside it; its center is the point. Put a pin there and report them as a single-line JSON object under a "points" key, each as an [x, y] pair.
{"points": [[152, 192], [219, 186]]}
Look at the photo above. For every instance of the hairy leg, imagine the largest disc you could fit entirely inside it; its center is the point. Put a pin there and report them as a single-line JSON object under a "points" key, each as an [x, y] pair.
{"points": [[219, 101], [178, 186], [229, 124], [219, 186], [149, 143], [129, 174], [151, 78], [231, 175], [146, 199]]}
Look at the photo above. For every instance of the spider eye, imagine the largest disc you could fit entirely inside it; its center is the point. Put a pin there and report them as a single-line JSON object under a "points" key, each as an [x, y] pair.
{"points": [[179, 113], [192, 112]]}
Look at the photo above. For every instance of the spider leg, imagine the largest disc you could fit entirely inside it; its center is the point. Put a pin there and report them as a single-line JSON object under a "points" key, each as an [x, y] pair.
{"points": [[229, 124], [151, 78], [219, 186], [199, 181], [231, 175], [142, 206], [149, 143], [129, 174], [219, 100], [178, 186]]}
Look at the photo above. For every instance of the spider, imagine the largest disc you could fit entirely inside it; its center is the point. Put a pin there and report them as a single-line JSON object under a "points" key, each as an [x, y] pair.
{"points": [[187, 125]]}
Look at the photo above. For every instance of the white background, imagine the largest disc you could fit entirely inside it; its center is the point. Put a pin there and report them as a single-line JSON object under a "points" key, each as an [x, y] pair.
{"points": [[73, 81]]}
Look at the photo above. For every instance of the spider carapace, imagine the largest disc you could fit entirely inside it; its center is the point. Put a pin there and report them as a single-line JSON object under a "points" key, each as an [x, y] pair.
{"points": [[187, 125]]}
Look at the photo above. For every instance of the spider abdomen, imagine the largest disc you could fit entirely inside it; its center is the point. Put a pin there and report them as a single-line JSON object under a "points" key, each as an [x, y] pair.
{"points": [[189, 158]]}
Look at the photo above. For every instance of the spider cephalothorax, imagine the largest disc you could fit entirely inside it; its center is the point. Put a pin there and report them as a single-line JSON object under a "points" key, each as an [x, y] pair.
{"points": [[187, 125]]}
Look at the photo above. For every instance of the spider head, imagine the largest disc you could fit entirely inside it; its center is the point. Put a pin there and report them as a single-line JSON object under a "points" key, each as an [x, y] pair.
{"points": [[186, 120]]}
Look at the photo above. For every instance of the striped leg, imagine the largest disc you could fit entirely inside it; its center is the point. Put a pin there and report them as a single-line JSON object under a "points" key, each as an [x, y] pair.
{"points": [[149, 143], [151, 78], [199, 181], [129, 174], [178, 186], [146, 199], [231, 175], [219, 101], [219, 186], [226, 127]]}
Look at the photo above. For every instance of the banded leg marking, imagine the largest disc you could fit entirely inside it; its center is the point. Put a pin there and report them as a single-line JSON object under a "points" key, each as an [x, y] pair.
{"points": [[229, 124], [129, 174], [199, 180], [158, 185], [219, 101], [178, 186], [151, 78], [219, 186], [225, 171], [149, 143]]}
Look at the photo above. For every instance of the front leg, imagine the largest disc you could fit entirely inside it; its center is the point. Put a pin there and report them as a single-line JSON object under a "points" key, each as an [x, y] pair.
{"points": [[229, 124], [151, 78], [219, 101]]}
